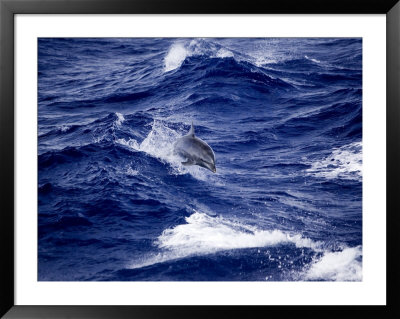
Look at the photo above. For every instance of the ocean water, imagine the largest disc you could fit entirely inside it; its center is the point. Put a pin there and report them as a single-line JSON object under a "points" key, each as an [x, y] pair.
{"points": [[284, 118]]}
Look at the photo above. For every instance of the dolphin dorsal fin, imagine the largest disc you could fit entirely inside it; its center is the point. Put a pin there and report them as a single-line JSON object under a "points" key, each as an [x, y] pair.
{"points": [[191, 131]]}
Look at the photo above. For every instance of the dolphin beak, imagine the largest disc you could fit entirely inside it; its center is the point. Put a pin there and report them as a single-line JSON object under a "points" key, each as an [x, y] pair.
{"points": [[209, 166]]}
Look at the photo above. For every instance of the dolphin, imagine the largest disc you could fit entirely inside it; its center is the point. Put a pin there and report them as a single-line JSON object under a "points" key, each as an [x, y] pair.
{"points": [[195, 151]]}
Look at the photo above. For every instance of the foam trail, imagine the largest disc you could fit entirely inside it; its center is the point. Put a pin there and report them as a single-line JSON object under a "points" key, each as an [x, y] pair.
{"points": [[344, 265]]}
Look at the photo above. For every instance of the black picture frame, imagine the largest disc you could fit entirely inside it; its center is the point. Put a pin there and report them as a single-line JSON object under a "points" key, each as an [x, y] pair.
{"points": [[8, 8]]}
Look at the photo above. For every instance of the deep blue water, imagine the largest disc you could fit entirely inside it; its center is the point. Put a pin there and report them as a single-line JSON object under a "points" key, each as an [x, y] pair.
{"points": [[284, 118]]}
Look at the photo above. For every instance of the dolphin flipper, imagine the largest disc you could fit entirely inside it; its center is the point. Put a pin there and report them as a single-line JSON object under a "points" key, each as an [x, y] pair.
{"points": [[188, 162]]}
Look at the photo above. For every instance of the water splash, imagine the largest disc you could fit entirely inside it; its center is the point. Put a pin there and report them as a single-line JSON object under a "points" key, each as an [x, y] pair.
{"points": [[159, 144]]}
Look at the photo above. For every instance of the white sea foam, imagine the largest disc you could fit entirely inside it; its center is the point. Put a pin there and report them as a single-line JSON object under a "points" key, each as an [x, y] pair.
{"points": [[260, 56], [120, 118], [175, 57], [223, 53], [65, 128], [344, 265], [179, 51], [263, 61], [344, 162], [203, 234], [131, 172], [311, 59]]}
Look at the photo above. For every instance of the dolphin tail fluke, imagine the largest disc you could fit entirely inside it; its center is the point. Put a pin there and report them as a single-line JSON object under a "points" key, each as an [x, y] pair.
{"points": [[191, 131]]}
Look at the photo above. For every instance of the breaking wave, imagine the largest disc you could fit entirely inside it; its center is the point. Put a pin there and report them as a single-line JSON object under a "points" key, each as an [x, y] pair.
{"points": [[345, 265], [179, 51], [203, 235]]}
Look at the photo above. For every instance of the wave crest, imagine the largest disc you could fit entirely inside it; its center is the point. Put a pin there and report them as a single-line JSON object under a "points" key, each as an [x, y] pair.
{"points": [[179, 51], [206, 234], [175, 57], [203, 234]]}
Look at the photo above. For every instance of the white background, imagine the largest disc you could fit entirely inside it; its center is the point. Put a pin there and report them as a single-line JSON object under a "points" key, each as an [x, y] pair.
{"points": [[372, 289]]}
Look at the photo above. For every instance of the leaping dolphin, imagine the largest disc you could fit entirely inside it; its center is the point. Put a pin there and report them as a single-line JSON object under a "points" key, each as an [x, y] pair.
{"points": [[195, 151]]}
